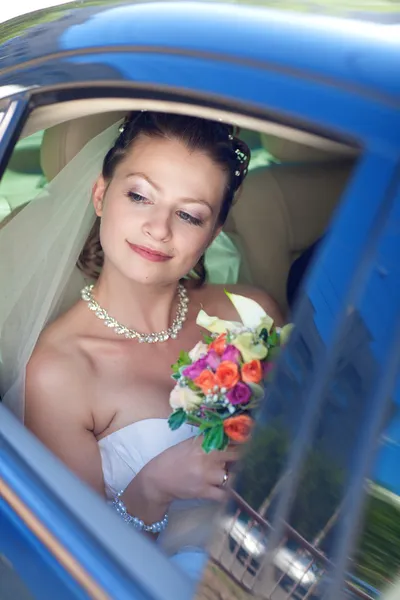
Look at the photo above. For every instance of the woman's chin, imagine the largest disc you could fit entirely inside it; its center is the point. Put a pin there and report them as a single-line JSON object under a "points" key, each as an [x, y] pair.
{"points": [[152, 277], [148, 274]]}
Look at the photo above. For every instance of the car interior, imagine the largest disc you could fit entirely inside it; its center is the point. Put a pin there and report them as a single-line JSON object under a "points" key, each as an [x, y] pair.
{"points": [[294, 184]]}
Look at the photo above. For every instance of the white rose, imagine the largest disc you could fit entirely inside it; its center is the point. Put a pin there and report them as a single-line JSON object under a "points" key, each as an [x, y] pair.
{"points": [[184, 397], [198, 351]]}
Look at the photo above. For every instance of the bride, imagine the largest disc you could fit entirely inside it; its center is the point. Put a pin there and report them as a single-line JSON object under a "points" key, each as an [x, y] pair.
{"points": [[97, 396]]}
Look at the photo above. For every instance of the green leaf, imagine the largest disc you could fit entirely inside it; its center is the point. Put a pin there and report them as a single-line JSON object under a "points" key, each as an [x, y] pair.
{"points": [[204, 426], [273, 354], [177, 419], [273, 338], [207, 338], [225, 442], [192, 386], [256, 390], [183, 361], [176, 376], [250, 406], [214, 438]]}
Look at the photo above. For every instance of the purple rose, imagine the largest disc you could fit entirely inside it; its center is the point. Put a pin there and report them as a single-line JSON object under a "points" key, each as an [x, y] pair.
{"points": [[240, 394], [213, 360], [192, 371], [231, 353]]}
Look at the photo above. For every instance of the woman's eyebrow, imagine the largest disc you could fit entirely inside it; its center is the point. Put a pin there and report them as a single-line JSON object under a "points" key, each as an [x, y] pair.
{"points": [[147, 178], [158, 188], [197, 201]]}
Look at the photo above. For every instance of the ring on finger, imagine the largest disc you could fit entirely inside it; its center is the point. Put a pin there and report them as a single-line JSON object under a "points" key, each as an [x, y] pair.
{"points": [[225, 477]]}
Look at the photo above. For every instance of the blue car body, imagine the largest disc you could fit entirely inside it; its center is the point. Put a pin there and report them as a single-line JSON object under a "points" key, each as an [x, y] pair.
{"points": [[325, 76]]}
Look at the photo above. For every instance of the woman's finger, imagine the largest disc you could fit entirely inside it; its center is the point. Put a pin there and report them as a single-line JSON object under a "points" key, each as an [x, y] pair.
{"points": [[230, 455], [218, 477], [214, 492]]}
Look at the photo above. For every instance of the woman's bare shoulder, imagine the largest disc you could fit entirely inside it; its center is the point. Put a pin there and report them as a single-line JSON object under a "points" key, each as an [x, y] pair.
{"points": [[59, 406], [215, 301], [58, 369]]}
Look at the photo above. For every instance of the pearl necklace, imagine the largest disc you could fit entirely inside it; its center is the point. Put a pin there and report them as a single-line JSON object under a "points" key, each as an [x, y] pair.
{"points": [[149, 338]]}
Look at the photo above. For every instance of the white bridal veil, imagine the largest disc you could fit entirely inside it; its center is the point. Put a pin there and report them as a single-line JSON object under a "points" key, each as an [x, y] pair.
{"points": [[39, 248]]}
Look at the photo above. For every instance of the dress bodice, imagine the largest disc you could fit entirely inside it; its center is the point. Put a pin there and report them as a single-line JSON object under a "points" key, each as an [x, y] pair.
{"points": [[126, 451]]}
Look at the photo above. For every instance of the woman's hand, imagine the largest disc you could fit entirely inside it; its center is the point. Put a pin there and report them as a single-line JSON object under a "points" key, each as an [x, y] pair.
{"points": [[185, 471]]}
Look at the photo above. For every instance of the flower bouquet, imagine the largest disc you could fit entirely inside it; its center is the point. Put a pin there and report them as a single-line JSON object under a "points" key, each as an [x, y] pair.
{"points": [[220, 381]]}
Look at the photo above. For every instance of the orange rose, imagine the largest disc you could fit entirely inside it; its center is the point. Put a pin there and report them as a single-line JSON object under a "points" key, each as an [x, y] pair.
{"points": [[252, 371], [219, 344], [206, 381], [238, 428], [227, 374]]}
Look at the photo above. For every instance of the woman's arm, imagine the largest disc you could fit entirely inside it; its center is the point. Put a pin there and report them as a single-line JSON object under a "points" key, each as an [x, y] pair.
{"points": [[58, 413]]}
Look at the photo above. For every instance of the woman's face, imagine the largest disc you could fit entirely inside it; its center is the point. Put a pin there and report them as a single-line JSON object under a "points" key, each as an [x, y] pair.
{"points": [[160, 210]]}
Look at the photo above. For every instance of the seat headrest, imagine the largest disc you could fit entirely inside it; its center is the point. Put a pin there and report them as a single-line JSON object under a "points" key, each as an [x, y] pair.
{"points": [[62, 142], [292, 152], [284, 209]]}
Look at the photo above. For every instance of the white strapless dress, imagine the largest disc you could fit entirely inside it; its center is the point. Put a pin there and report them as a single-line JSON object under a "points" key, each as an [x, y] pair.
{"points": [[124, 453]]}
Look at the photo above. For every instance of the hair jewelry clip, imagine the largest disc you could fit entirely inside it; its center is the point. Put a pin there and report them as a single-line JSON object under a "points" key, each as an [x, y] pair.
{"points": [[121, 128], [241, 156]]}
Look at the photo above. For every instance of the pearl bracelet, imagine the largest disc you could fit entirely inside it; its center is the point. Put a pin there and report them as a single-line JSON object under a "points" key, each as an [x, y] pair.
{"points": [[120, 507]]}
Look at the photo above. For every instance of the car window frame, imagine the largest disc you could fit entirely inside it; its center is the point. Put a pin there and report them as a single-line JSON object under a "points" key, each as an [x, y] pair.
{"points": [[50, 500], [13, 139]]}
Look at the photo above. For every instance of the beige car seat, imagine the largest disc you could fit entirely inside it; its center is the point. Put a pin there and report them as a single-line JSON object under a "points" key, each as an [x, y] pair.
{"points": [[282, 210]]}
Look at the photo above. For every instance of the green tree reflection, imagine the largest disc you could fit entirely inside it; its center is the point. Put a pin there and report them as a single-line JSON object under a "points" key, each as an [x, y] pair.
{"points": [[377, 559], [320, 488]]}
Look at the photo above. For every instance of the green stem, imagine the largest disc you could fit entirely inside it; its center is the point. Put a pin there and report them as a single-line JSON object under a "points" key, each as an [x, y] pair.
{"points": [[196, 420], [213, 414]]}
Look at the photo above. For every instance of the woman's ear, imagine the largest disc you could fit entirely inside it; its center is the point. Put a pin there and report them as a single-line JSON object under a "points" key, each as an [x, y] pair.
{"points": [[98, 192], [215, 235]]}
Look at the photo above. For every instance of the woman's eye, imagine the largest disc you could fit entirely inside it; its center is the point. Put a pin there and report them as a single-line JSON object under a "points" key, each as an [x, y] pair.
{"points": [[135, 197], [189, 219]]}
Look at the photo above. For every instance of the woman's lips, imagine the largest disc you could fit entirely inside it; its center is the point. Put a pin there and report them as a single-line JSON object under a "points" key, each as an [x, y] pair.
{"points": [[149, 254]]}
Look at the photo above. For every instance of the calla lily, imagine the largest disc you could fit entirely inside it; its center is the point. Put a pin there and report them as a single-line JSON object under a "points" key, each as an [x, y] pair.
{"points": [[214, 324], [249, 350], [252, 315], [285, 333], [266, 323], [250, 312]]}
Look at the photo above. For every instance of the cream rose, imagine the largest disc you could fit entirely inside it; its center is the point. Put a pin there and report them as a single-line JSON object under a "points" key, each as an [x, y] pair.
{"points": [[184, 397], [198, 351]]}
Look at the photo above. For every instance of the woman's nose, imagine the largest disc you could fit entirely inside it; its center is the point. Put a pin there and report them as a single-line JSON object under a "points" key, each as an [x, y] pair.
{"points": [[158, 226]]}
